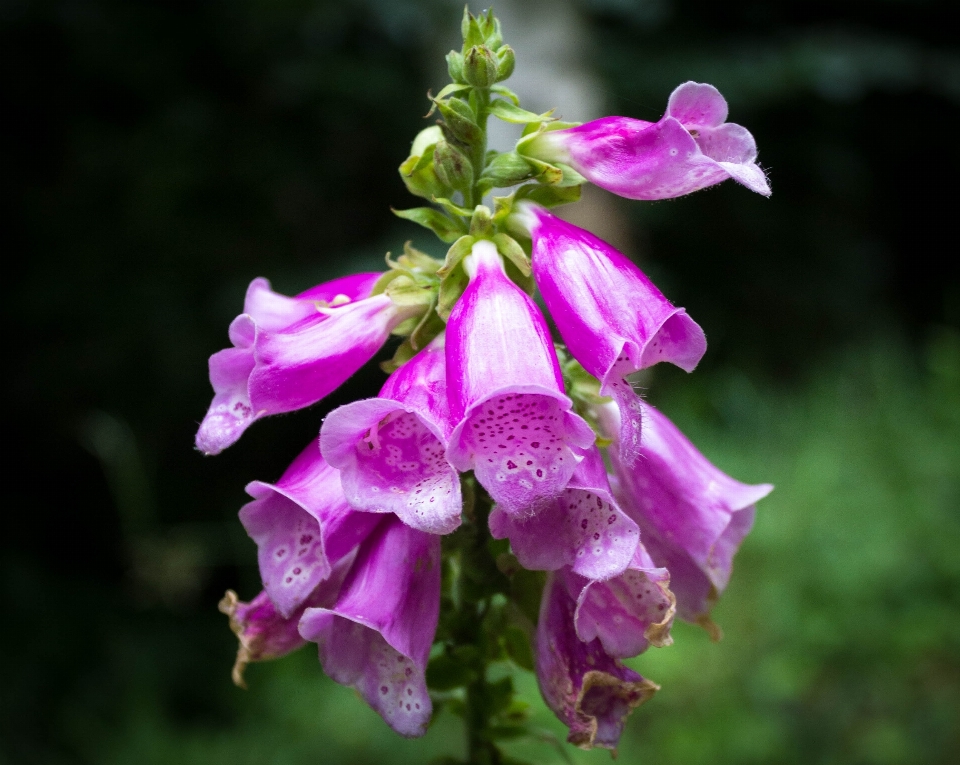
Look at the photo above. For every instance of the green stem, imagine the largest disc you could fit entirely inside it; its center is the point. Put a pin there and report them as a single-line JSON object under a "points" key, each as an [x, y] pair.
{"points": [[479, 150], [477, 566]]}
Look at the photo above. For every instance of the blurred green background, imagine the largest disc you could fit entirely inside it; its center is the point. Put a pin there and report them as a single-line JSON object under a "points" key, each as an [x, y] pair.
{"points": [[159, 155]]}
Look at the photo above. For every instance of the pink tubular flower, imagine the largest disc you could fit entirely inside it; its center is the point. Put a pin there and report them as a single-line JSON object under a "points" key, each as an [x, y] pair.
{"points": [[290, 352], [303, 525], [391, 450], [689, 149], [515, 428], [264, 633], [628, 613], [611, 317], [582, 528], [692, 516], [587, 688], [377, 636]]}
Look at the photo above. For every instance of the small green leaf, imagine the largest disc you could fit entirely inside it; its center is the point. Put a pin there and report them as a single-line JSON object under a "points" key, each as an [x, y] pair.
{"points": [[447, 229], [460, 249], [452, 208], [549, 196], [451, 288], [403, 354], [510, 112]]}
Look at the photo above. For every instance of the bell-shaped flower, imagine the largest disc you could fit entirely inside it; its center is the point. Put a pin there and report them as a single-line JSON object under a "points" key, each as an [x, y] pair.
{"points": [[263, 632], [692, 516], [289, 353], [391, 450], [611, 316], [690, 148], [303, 526], [582, 528], [515, 428], [627, 613], [587, 688], [377, 636]]}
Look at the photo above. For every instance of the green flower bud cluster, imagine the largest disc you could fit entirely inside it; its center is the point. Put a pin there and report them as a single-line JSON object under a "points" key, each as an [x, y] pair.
{"points": [[451, 166]]}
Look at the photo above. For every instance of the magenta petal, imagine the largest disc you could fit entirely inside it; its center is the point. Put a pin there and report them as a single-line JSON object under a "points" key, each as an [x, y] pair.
{"points": [[515, 428], [582, 528], [589, 690], [692, 516], [232, 411], [642, 160], [263, 632], [303, 526], [611, 316], [298, 368], [627, 613], [391, 452], [697, 105], [377, 636]]}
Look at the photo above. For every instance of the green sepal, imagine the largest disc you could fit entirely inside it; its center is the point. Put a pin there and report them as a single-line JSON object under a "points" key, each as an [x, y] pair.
{"points": [[419, 176], [451, 288], [543, 127], [380, 285], [408, 291], [449, 90], [503, 206], [429, 327], [570, 176], [459, 118], [509, 112], [460, 249], [522, 280], [405, 351], [503, 90], [512, 251], [405, 327], [507, 169], [545, 172], [481, 222], [549, 196], [453, 208], [447, 229], [416, 260], [470, 30]]}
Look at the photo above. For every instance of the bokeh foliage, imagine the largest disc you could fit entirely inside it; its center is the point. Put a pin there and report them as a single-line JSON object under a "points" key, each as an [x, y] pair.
{"points": [[160, 155]]}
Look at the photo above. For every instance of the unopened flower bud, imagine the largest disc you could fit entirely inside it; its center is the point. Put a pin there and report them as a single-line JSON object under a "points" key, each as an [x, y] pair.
{"points": [[452, 166], [460, 119], [506, 61], [480, 67], [455, 66]]}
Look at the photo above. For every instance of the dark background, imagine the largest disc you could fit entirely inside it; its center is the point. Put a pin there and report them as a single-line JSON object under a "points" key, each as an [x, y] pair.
{"points": [[159, 155]]}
